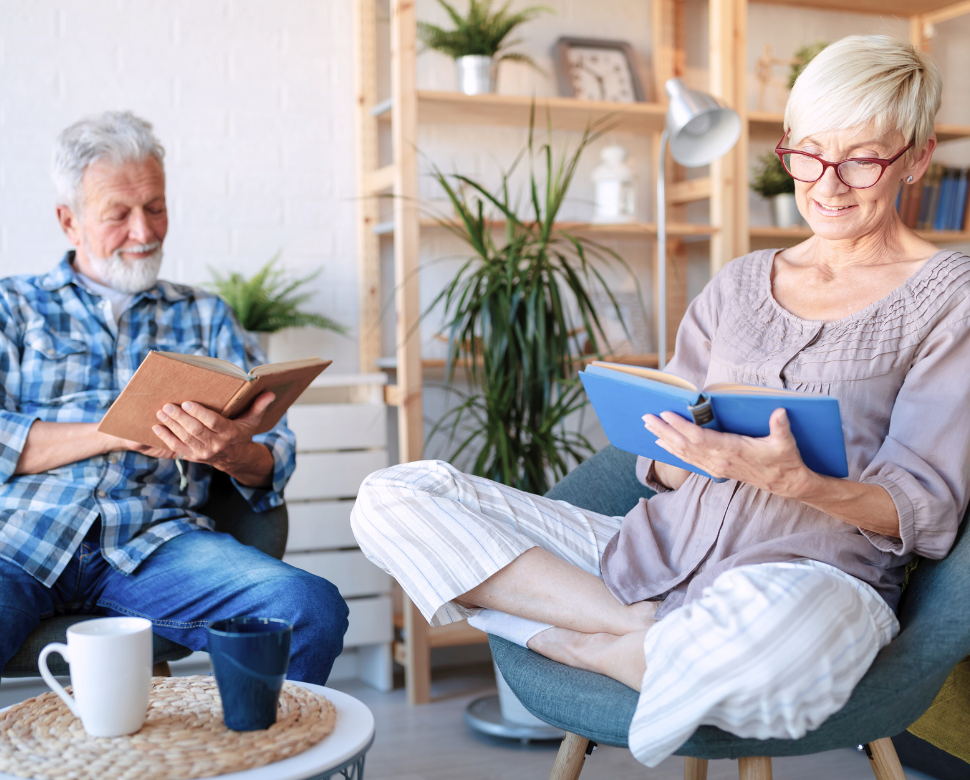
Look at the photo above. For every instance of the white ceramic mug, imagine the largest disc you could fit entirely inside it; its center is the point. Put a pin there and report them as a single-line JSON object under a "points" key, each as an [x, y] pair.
{"points": [[111, 672]]}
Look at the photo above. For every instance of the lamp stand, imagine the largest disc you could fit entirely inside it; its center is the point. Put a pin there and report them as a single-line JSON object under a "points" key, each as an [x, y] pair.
{"points": [[662, 254]]}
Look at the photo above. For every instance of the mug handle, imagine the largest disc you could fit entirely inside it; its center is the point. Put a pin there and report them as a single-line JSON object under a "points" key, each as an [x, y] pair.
{"points": [[60, 649]]}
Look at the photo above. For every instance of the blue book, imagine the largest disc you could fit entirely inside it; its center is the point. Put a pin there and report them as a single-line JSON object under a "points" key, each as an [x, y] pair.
{"points": [[960, 201], [621, 395], [943, 205]]}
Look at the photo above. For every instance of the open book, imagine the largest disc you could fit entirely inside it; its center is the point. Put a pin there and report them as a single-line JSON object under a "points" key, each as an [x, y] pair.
{"points": [[622, 395], [172, 378]]}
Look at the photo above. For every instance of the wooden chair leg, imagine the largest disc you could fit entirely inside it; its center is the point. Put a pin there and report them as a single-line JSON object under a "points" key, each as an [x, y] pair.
{"points": [[695, 768], [754, 768], [161, 670], [884, 761], [569, 761]]}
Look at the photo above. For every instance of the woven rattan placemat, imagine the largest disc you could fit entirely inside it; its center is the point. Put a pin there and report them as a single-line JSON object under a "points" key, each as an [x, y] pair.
{"points": [[183, 737]]}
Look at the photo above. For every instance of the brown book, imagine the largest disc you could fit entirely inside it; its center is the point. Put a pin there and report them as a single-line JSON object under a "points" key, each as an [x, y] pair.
{"points": [[171, 378]]}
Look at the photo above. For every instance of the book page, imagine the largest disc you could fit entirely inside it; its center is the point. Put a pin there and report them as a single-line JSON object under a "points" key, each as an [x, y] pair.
{"points": [[204, 361], [275, 368], [739, 389], [647, 373]]}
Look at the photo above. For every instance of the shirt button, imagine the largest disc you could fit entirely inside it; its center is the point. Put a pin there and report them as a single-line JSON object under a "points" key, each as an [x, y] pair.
{"points": [[51, 352], [102, 494], [102, 304], [113, 460]]}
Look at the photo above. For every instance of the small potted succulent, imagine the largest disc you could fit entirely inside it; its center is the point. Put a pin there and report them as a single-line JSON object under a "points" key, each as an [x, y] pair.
{"points": [[268, 301], [773, 183], [478, 43]]}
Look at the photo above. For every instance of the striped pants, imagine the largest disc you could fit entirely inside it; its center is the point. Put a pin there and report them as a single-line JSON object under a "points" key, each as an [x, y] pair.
{"points": [[769, 650]]}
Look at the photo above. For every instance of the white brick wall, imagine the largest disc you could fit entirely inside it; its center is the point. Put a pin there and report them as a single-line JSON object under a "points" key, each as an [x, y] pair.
{"points": [[253, 100]]}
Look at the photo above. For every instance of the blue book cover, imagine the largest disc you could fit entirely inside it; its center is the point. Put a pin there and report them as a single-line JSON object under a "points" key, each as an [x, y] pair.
{"points": [[621, 395]]}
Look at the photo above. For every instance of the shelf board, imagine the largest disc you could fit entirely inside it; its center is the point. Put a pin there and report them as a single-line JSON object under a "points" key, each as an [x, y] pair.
{"points": [[615, 230], [648, 360], [903, 8], [767, 125], [513, 110], [801, 233]]}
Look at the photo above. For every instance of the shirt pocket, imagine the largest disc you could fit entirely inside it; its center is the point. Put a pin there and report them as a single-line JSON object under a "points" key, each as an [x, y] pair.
{"points": [[54, 366]]}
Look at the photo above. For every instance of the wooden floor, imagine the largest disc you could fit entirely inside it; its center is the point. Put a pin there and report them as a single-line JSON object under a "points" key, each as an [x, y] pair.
{"points": [[432, 741]]}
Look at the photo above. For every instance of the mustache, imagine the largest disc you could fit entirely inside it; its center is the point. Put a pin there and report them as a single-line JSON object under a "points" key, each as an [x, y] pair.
{"points": [[139, 248]]}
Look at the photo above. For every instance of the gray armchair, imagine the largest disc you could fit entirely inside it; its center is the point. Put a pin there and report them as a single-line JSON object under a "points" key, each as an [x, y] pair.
{"points": [[266, 531]]}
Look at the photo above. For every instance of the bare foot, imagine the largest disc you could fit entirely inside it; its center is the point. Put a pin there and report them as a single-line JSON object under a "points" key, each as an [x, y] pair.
{"points": [[619, 657]]}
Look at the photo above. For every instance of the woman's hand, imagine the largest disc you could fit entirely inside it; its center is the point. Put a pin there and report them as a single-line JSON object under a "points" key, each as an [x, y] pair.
{"points": [[771, 463]]}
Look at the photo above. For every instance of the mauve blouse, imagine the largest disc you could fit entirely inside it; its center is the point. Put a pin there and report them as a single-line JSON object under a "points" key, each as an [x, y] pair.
{"points": [[900, 369]]}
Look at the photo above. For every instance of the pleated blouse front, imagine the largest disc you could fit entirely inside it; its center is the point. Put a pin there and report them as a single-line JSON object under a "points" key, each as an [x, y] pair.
{"points": [[900, 369]]}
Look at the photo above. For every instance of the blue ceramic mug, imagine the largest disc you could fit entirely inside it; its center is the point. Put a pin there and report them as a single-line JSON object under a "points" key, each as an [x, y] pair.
{"points": [[250, 656]]}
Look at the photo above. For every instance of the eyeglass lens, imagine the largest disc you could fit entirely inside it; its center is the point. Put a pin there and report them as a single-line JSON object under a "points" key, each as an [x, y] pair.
{"points": [[855, 173]]}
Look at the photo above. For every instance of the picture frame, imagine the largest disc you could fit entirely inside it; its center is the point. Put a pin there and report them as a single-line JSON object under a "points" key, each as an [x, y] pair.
{"points": [[616, 51]]}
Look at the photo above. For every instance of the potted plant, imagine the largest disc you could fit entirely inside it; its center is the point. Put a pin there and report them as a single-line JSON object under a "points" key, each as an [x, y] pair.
{"points": [[516, 315], [268, 301], [775, 184], [478, 42], [803, 56]]}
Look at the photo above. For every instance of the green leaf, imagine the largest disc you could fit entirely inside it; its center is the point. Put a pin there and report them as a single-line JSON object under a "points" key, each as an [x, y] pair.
{"points": [[268, 301]]}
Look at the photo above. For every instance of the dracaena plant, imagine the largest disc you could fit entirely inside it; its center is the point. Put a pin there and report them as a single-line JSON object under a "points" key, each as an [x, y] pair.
{"points": [[269, 300], [515, 315], [479, 31]]}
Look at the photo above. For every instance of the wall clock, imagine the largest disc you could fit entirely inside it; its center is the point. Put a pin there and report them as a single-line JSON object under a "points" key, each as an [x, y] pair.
{"points": [[594, 69]]}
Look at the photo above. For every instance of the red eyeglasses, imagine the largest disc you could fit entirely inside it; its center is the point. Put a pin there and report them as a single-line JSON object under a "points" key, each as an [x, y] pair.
{"points": [[860, 173]]}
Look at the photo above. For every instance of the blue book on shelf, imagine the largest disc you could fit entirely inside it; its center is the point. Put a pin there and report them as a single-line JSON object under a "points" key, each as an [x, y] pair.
{"points": [[621, 395], [960, 201], [940, 219]]}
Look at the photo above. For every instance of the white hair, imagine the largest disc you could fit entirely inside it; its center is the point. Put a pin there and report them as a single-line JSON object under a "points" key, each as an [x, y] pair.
{"points": [[115, 136], [865, 79]]}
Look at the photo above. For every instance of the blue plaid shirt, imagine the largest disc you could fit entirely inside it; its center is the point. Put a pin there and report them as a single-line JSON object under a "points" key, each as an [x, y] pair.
{"points": [[62, 361]]}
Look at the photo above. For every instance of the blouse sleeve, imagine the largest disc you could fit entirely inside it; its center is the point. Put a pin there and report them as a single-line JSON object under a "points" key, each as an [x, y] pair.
{"points": [[692, 354], [924, 462]]}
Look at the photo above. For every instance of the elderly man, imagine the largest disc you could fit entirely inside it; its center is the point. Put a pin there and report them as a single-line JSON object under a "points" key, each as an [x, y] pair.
{"points": [[93, 523]]}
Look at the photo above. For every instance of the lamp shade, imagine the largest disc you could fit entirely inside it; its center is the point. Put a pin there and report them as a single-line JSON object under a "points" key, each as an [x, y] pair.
{"points": [[699, 128]]}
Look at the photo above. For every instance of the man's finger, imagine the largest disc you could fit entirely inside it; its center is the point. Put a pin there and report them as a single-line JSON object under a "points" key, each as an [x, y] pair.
{"points": [[189, 423], [170, 440], [211, 420], [178, 431], [258, 409]]}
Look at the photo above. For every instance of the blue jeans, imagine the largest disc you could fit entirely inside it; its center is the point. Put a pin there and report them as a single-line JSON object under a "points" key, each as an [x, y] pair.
{"points": [[188, 582]]}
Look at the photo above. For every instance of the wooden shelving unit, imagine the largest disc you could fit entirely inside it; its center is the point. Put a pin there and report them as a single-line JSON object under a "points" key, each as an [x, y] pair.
{"points": [[729, 233]]}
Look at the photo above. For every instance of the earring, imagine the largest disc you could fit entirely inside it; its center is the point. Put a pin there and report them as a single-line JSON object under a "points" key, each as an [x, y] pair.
{"points": [[909, 179]]}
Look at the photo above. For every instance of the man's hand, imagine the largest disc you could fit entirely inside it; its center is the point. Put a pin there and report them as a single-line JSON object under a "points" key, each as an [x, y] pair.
{"points": [[771, 463], [200, 435]]}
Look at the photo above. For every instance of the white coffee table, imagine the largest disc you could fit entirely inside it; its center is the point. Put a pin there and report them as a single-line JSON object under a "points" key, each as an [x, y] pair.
{"points": [[341, 754]]}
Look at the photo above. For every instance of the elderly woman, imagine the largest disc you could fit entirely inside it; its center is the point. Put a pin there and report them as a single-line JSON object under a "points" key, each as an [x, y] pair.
{"points": [[758, 603]]}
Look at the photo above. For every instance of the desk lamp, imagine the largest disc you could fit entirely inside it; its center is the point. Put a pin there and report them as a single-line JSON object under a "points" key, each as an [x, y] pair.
{"points": [[699, 131]]}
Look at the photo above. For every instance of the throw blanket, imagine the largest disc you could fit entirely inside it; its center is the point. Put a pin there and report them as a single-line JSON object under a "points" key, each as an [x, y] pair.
{"points": [[946, 724]]}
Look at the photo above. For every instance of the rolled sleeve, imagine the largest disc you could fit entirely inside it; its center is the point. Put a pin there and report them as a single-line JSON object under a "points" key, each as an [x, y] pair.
{"points": [[924, 461], [282, 444], [232, 343], [647, 476], [14, 428]]}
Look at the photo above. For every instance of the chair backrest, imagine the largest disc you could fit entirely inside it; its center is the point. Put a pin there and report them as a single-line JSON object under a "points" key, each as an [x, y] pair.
{"points": [[266, 531], [906, 675]]}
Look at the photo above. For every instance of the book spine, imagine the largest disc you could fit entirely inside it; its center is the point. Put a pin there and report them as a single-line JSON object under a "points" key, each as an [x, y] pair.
{"points": [[943, 204], [961, 201]]}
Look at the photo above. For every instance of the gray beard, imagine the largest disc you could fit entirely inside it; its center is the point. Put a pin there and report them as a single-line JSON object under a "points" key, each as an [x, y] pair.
{"points": [[124, 276]]}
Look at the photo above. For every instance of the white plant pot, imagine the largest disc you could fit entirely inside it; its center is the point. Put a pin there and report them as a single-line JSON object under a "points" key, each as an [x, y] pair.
{"points": [[512, 709], [477, 74], [785, 211]]}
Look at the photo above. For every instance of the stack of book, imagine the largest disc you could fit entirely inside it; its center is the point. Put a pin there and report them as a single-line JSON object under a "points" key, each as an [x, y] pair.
{"points": [[938, 202]]}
